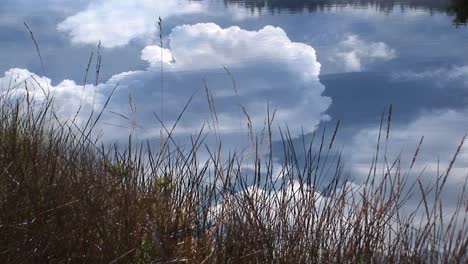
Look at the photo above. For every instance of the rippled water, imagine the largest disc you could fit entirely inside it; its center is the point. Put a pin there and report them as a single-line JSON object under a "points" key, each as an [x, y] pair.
{"points": [[315, 62]]}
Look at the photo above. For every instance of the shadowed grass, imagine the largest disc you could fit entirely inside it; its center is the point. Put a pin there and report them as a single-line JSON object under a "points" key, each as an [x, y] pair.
{"points": [[64, 198]]}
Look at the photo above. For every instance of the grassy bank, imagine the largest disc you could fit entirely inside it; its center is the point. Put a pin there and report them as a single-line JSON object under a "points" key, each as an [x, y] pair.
{"points": [[66, 199]]}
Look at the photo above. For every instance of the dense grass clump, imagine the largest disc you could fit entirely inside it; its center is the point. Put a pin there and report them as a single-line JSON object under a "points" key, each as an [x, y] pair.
{"points": [[66, 199]]}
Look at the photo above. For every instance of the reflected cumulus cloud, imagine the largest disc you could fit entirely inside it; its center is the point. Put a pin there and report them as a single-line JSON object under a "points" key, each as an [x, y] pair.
{"points": [[441, 76], [68, 96], [354, 54], [263, 69], [442, 132], [116, 23]]}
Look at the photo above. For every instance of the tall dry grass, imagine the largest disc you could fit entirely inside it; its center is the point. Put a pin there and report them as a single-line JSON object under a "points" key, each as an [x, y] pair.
{"points": [[66, 199]]}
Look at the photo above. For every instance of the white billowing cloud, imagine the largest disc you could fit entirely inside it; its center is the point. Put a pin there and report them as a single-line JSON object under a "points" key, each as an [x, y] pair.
{"points": [[268, 69], [208, 46], [354, 53], [265, 70], [116, 23], [155, 54], [67, 95]]}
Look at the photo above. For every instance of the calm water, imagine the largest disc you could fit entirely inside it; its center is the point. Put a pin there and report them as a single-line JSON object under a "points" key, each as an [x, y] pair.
{"points": [[314, 61]]}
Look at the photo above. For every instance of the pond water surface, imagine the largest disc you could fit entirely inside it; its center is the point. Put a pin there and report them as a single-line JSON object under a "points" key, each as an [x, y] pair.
{"points": [[314, 62]]}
